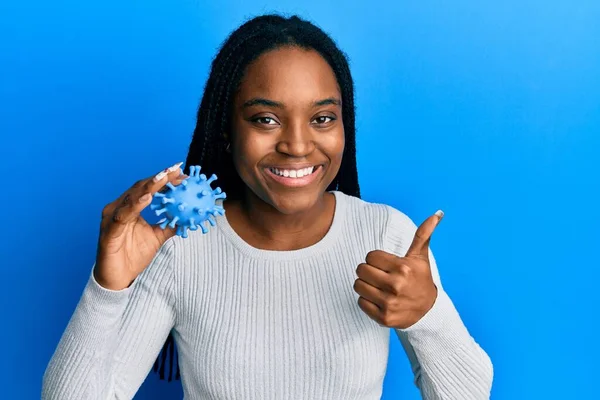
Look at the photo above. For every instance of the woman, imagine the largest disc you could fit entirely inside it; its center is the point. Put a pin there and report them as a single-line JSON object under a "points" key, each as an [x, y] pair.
{"points": [[291, 294]]}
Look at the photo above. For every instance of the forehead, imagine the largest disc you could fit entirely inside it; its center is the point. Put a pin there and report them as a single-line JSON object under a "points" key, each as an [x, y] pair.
{"points": [[290, 75]]}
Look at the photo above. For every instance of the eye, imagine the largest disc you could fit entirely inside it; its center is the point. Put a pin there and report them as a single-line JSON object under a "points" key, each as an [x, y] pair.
{"points": [[323, 119], [265, 120]]}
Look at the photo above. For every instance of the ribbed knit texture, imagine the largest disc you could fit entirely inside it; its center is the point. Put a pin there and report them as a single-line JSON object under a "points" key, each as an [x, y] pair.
{"points": [[261, 324]]}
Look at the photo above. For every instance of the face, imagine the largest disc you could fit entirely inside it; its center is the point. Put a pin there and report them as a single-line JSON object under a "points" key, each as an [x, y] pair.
{"points": [[288, 135]]}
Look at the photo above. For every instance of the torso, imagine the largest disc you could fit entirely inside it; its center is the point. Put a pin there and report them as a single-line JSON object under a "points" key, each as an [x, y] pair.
{"points": [[272, 325]]}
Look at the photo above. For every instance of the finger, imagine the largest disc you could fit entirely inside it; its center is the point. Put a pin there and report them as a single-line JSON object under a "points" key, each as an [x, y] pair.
{"points": [[420, 243], [131, 203], [164, 234], [373, 276], [369, 292], [382, 260], [126, 214], [158, 182], [150, 186], [142, 196], [175, 181], [371, 309], [180, 179], [130, 210], [109, 210], [144, 185]]}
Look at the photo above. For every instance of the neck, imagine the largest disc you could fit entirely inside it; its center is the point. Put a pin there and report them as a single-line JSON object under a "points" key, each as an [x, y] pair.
{"points": [[263, 226]]}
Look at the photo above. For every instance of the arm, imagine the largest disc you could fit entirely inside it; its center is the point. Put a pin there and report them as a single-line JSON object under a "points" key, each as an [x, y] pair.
{"points": [[114, 337], [446, 361]]}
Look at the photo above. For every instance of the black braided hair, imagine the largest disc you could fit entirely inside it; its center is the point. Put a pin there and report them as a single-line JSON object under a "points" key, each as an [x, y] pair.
{"points": [[209, 141]]}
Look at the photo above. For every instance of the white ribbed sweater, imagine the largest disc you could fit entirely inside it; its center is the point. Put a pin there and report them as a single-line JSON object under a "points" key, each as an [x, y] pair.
{"points": [[261, 324]]}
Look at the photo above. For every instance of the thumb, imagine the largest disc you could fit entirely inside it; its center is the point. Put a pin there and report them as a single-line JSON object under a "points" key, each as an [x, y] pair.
{"points": [[420, 244], [163, 234]]}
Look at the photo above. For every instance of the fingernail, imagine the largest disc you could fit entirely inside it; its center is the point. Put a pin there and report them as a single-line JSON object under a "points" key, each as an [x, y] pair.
{"points": [[440, 214], [145, 198], [160, 175], [175, 167]]}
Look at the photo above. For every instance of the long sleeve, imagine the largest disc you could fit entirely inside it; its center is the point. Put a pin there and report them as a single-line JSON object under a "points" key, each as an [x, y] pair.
{"points": [[113, 337], [446, 361]]}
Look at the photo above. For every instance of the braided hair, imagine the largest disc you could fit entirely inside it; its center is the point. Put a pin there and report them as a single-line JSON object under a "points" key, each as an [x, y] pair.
{"points": [[210, 138]]}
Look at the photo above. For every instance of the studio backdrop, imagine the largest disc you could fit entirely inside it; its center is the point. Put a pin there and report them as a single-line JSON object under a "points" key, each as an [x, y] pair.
{"points": [[487, 110]]}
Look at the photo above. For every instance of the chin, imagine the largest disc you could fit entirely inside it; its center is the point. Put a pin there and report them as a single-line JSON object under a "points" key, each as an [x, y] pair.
{"points": [[293, 203]]}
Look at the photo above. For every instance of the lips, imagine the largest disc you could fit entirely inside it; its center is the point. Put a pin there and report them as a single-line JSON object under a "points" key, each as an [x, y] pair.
{"points": [[294, 176]]}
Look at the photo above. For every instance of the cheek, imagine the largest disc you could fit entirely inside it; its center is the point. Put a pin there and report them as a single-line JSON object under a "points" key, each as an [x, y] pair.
{"points": [[334, 146], [249, 151]]}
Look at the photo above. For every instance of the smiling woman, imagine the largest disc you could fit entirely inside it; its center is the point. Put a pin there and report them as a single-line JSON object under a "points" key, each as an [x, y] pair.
{"points": [[291, 297]]}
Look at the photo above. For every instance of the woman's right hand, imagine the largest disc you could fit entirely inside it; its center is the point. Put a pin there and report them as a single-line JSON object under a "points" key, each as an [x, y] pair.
{"points": [[127, 243]]}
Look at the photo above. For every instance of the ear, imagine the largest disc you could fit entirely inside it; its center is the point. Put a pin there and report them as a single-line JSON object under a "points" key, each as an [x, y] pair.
{"points": [[227, 142]]}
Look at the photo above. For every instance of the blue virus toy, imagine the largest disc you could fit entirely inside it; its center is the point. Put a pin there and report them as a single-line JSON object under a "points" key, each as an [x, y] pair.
{"points": [[190, 204]]}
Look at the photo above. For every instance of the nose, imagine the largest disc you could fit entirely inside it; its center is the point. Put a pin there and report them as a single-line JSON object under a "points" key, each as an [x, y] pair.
{"points": [[296, 140]]}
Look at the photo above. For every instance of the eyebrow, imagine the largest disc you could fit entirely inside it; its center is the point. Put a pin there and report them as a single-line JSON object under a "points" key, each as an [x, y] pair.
{"points": [[329, 101], [259, 101]]}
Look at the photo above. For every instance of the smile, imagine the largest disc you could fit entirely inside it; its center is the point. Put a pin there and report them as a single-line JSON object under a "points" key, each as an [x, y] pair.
{"points": [[294, 177]]}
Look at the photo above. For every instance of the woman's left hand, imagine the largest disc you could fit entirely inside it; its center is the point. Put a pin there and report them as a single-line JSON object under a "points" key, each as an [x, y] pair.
{"points": [[398, 291]]}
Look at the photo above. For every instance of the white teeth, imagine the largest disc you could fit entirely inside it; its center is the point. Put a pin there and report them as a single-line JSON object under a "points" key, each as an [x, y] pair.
{"points": [[293, 173]]}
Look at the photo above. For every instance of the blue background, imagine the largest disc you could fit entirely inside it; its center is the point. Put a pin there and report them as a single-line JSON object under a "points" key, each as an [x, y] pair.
{"points": [[488, 110]]}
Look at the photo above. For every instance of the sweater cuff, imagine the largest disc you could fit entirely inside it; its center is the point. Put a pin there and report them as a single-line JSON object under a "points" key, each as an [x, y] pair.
{"points": [[100, 307], [104, 296], [440, 332]]}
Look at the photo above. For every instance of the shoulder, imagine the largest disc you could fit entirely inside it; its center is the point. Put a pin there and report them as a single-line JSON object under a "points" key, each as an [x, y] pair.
{"points": [[393, 228]]}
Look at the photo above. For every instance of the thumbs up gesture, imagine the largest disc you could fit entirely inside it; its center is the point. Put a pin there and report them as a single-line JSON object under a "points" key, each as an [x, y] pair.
{"points": [[398, 291]]}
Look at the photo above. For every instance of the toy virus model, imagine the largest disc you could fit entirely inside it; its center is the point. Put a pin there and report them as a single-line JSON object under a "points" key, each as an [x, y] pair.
{"points": [[190, 204]]}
